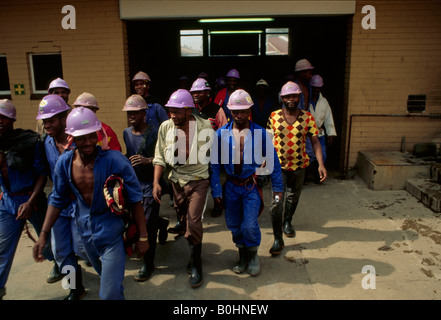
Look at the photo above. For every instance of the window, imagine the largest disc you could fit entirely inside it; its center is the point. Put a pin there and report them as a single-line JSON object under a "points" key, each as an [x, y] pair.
{"points": [[4, 77], [277, 40], [45, 67], [416, 103], [192, 43]]}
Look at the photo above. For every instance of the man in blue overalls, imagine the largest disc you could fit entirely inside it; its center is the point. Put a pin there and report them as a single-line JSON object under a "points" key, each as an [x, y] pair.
{"points": [[53, 111], [244, 149], [22, 180], [83, 172]]}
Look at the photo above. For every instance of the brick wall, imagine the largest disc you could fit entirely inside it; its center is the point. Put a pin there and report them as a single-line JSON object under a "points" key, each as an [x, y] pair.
{"points": [[94, 55], [400, 57]]}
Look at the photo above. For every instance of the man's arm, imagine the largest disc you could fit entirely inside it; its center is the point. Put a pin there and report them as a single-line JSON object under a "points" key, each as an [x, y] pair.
{"points": [[25, 209], [138, 215], [157, 174], [52, 215], [319, 155]]}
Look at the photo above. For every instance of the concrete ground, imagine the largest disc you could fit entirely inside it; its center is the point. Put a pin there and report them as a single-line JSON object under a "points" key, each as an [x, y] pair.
{"points": [[352, 244]]}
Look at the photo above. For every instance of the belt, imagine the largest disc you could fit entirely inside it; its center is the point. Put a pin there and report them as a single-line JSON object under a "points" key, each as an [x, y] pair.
{"points": [[243, 182]]}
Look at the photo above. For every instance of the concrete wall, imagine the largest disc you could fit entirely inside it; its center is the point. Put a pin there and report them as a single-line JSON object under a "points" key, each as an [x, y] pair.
{"points": [[385, 65], [94, 55]]}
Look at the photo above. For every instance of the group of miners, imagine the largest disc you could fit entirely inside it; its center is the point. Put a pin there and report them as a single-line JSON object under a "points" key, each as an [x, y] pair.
{"points": [[105, 205]]}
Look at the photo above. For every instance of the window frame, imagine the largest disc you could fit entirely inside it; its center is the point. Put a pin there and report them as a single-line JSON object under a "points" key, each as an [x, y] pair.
{"points": [[36, 92]]}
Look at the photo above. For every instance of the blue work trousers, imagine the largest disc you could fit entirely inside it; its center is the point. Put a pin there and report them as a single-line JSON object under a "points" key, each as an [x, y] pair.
{"points": [[242, 212]]}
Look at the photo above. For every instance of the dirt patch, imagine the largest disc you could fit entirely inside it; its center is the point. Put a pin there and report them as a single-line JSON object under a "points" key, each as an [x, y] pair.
{"points": [[422, 229]]}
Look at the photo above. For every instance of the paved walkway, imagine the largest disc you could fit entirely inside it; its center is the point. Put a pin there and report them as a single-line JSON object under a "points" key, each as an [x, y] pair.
{"points": [[342, 227]]}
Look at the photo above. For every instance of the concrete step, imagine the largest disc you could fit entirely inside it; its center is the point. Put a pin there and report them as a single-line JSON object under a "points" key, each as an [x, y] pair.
{"points": [[435, 172], [427, 191]]}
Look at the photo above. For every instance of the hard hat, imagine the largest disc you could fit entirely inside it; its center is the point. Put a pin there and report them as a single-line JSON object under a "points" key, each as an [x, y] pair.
{"points": [[303, 64], [262, 82], [316, 81], [86, 99], [7, 109], [220, 81], [141, 76], [233, 73], [181, 98], [290, 88], [82, 121], [240, 100], [51, 105], [58, 83], [135, 103], [200, 85]]}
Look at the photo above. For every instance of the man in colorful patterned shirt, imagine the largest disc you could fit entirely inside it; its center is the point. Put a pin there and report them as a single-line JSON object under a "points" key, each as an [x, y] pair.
{"points": [[290, 127]]}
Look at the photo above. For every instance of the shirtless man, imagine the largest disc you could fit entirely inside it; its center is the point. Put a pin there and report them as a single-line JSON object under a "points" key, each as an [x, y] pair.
{"points": [[303, 74], [82, 172]]}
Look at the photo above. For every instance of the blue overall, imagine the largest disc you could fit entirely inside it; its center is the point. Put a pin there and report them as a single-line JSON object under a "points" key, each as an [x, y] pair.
{"points": [[21, 184], [155, 115], [242, 203], [65, 241], [101, 230]]}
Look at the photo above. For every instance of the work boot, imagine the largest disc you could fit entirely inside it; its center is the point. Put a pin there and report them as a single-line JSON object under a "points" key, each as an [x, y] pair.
{"points": [[196, 265], [278, 244], [179, 228], [241, 265], [163, 234], [288, 230], [217, 210], [253, 261], [148, 265], [79, 291], [55, 274]]}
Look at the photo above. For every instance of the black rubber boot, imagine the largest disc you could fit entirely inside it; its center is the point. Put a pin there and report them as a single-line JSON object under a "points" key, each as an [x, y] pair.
{"points": [[148, 265], [196, 265], [55, 274], [288, 230], [241, 265], [253, 261], [179, 228], [79, 291], [163, 234], [278, 244]]}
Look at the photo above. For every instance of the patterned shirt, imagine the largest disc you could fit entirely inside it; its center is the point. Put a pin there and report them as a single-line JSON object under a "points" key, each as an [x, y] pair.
{"points": [[289, 140]]}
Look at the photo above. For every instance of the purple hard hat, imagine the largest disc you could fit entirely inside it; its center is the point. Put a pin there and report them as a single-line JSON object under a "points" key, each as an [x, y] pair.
{"points": [[233, 73], [240, 100], [290, 88], [86, 99], [50, 105], [135, 103], [58, 83], [316, 81], [181, 98], [82, 121], [7, 109], [200, 85]]}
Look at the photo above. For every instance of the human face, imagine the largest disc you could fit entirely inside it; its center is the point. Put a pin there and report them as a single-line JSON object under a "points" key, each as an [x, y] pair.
{"points": [[179, 116], [6, 124], [305, 76], [62, 92], [136, 117], [54, 126], [86, 144], [291, 101], [142, 87], [199, 97], [241, 117], [232, 84]]}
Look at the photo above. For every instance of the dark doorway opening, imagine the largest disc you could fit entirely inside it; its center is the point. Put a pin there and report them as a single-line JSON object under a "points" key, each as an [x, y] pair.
{"points": [[154, 47]]}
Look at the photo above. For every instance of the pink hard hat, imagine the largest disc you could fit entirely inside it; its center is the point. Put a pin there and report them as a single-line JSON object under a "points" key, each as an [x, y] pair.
{"points": [[240, 100], [233, 73], [135, 103], [141, 76], [290, 88], [82, 121], [200, 85], [181, 98], [303, 64], [316, 81], [51, 105], [58, 83], [7, 109], [86, 99]]}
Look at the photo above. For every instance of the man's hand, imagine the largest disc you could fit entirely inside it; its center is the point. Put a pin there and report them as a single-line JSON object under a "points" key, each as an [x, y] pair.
{"points": [[138, 159], [37, 250], [157, 190], [24, 211], [143, 247]]}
